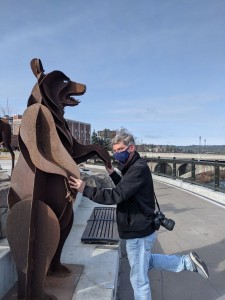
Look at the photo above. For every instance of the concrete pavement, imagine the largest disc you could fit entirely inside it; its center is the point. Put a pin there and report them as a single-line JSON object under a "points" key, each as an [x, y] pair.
{"points": [[200, 226], [98, 279]]}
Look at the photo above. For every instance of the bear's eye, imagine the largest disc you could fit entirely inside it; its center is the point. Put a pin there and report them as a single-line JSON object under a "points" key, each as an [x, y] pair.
{"points": [[65, 81]]}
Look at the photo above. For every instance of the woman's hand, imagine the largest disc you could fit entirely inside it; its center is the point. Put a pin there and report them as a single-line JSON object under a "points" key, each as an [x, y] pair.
{"points": [[76, 184]]}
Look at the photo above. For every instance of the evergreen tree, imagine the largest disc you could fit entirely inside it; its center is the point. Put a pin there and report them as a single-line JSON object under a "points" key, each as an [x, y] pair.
{"points": [[103, 141], [94, 138]]}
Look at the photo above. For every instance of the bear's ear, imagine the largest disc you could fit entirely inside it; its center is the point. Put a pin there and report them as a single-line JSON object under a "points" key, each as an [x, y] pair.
{"points": [[36, 67]]}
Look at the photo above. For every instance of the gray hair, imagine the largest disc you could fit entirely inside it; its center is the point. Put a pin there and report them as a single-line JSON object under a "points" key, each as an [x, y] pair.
{"points": [[125, 138]]}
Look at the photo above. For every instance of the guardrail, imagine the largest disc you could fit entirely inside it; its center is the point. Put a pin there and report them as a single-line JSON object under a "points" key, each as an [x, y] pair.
{"points": [[210, 174]]}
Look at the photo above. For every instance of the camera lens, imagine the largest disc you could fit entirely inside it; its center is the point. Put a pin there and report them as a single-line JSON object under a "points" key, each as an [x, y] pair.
{"points": [[168, 224], [160, 219]]}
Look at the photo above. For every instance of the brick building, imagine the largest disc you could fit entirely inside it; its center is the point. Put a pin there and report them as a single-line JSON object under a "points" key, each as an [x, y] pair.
{"points": [[80, 131], [16, 124], [106, 134]]}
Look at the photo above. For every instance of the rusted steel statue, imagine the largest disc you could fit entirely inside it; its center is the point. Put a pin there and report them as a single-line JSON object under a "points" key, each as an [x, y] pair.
{"points": [[5, 138], [40, 198]]}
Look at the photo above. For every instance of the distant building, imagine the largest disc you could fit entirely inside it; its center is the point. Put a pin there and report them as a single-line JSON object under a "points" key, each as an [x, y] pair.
{"points": [[80, 131], [106, 134], [8, 120], [16, 124]]}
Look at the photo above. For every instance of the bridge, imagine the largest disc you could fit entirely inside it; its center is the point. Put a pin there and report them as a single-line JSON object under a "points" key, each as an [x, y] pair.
{"points": [[202, 169], [196, 156]]}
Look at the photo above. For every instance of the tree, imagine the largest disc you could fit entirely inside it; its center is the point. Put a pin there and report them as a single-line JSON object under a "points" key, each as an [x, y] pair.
{"points": [[123, 130], [6, 109], [94, 138], [105, 142], [106, 133], [106, 139]]}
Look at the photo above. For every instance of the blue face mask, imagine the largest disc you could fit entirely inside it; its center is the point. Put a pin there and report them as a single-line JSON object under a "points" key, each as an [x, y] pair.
{"points": [[122, 156]]}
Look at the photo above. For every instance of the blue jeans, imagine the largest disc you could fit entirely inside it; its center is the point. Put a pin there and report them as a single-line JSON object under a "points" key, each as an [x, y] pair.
{"points": [[141, 260]]}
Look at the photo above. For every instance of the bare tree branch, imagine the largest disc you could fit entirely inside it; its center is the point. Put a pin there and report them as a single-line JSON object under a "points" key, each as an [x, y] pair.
{"points": [[6, 109]]}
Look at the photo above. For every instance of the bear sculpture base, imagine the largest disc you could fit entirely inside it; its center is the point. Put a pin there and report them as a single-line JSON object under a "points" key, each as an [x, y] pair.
{"points": [[61, 288]]}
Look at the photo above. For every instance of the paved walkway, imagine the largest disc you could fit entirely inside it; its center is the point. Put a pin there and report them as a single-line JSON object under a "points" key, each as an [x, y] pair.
{"points": [[98, 280], [200, 226]]}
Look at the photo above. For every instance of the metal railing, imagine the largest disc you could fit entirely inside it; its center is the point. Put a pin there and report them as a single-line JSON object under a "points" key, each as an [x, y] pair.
{"points": [[210, 174]]}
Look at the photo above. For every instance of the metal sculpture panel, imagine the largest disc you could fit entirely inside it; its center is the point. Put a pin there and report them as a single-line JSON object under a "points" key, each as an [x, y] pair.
{"points": [[40, 199], [5, 138]]}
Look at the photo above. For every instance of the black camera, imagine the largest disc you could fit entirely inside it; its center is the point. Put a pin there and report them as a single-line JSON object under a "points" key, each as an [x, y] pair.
{"points": [[160, 219]]}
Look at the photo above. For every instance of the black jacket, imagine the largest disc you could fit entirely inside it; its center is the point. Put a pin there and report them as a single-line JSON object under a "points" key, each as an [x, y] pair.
{"points": [[134, 196]]}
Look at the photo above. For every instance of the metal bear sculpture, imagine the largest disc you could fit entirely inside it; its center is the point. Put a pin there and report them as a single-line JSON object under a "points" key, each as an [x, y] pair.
{"points": [[40, 199], [5, 138]]}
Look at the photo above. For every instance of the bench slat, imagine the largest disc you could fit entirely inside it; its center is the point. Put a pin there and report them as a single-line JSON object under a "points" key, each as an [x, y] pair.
{"points": [[101, 226]]}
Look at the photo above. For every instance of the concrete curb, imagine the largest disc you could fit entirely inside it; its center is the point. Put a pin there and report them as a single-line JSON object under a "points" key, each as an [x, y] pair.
{"points": [[214, 196]]}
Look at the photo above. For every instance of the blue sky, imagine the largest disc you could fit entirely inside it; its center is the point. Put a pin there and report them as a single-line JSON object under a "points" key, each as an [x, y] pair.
{"points": [[155, 67]]}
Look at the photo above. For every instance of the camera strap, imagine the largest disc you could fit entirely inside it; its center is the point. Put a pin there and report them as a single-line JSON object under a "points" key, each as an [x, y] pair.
{"points": [[156, 201]]}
